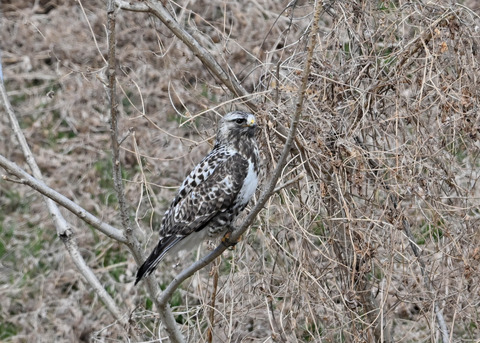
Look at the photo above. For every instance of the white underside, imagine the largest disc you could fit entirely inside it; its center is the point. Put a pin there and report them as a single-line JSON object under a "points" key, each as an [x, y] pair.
{"points": [[249, 186], [190, 242]]}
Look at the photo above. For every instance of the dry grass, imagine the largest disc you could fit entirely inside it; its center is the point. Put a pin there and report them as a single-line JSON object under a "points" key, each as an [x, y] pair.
{"points": [[388, 145]]}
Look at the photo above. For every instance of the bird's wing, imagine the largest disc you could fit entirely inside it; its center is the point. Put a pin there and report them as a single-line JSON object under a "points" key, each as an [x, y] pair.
{"points": [[197, 202], [202, 171]]}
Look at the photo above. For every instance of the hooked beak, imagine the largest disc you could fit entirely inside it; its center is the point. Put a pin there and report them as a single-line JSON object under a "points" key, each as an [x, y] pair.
{"points": [[251, 121]]}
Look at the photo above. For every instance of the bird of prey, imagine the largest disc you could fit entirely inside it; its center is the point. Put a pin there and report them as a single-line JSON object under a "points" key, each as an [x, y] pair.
{"points": [[213, 194]]}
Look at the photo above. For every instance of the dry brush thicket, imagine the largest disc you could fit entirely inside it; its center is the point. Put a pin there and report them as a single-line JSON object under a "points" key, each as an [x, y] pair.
{"points": [[373, 234]]}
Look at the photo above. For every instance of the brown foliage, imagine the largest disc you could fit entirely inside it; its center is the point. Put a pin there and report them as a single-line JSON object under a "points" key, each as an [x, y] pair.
{"points": [[385, 164]]}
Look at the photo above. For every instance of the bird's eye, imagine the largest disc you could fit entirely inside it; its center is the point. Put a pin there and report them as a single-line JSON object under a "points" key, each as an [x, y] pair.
{"points": [[240, 121]]}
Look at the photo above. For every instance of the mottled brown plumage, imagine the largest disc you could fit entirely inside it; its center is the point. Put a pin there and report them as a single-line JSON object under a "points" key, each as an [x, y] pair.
{"points": [[213, 194]]}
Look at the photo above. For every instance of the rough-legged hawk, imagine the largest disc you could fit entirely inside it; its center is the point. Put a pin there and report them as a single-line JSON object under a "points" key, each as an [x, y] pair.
{"points": [[214, 193]]}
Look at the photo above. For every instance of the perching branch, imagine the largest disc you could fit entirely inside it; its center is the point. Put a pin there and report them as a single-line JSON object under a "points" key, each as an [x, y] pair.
{"points": [[158, 9]]}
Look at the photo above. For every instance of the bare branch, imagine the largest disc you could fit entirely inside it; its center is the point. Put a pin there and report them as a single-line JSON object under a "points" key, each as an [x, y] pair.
{"points": [[164, 311], [91, 278], [112, 97], [211, 311], [158, 9], [62, 200], [131, 6], [289, 182]]}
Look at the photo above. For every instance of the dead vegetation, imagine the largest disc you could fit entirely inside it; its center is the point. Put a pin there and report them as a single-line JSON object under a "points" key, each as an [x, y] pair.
{"points": [[374, 236]]}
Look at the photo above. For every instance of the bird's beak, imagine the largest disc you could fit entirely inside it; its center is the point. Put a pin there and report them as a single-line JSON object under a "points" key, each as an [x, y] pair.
{"points": [[251, 121]]}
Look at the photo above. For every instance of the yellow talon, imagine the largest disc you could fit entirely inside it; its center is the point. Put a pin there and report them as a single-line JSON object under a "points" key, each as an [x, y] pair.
{"points": [[226, 239]]}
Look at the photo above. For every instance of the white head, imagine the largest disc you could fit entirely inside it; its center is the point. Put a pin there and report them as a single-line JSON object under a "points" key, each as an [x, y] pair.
{"points": [[235, 126]]}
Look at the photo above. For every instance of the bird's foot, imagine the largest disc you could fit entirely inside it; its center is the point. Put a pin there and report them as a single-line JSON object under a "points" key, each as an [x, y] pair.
{"points": [[227, 243]]}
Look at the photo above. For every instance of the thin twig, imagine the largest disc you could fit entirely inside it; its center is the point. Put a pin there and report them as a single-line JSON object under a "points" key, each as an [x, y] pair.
{"points": [[289, 182], [428, 283], [112, 97], [211, 311], [279, 332], [158, 9]]}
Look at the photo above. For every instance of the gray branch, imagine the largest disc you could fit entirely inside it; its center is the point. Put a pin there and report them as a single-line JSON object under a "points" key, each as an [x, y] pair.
{"points": [[27, 179], [131, 6], [158, 9], [112, 97], [165, 314]]}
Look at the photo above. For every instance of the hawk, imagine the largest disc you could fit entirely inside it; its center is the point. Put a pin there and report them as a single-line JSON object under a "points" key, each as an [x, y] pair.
{"points": [[213, 194]]}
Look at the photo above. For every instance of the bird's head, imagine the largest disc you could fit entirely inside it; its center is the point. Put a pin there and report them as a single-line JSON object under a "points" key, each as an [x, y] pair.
{"points": [[236, 126]]}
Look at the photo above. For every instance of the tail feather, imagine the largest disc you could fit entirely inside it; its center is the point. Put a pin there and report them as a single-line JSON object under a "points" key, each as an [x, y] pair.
{"points": [[163, 246]]}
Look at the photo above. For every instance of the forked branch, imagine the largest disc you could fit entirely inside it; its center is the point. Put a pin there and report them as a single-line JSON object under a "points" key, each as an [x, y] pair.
{"points": [[158, 9]]}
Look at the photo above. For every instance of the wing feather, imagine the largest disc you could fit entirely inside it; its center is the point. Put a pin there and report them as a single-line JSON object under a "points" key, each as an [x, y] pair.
{"points": [[199, 199], [216, 194]]}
